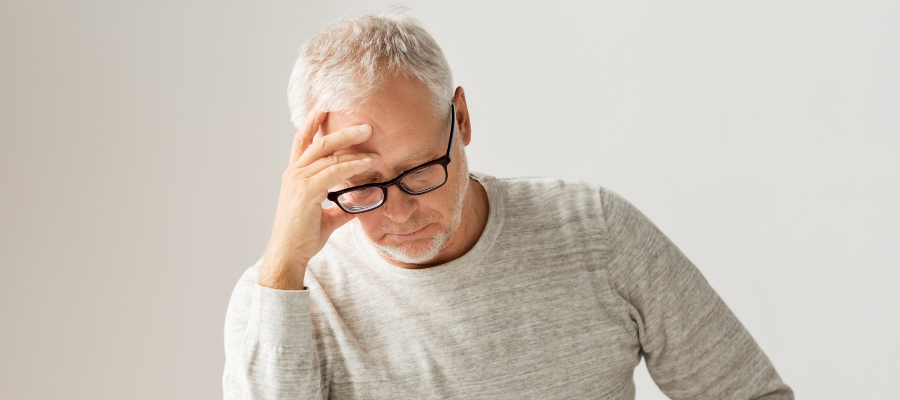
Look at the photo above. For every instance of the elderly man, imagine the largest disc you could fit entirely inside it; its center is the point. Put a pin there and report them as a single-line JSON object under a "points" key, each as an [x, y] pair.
{"points": [[427, 281]]}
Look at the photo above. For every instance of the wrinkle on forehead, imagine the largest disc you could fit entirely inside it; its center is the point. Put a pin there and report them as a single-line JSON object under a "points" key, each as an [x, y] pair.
{"points": [[403, 126], [418, 157], [388, 166]]}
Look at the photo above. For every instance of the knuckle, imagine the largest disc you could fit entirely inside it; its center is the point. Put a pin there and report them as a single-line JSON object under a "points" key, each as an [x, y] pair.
{"points": [[298, 142], [346, 135], [317, 146], [301, 136], [290, 178]]}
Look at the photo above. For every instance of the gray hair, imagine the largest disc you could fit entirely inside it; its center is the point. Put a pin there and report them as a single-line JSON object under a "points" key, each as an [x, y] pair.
{"points": [[341, 66]]}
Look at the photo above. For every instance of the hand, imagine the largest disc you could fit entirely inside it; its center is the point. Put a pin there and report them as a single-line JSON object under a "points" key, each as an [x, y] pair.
{"points": [[302, 226]]}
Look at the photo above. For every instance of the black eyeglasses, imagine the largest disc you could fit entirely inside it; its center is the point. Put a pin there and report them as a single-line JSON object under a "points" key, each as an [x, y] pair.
{"points": [[419, 180]]}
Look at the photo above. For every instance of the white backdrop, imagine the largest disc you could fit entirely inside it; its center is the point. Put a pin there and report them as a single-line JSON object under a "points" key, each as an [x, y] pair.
{"points": [[143, 144]]}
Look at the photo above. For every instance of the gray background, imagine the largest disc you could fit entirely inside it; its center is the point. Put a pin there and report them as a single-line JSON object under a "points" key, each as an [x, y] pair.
{"points": [[143, 143]]}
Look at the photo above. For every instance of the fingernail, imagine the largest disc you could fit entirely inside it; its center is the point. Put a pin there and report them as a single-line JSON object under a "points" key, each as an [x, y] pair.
{"points": [[364, 128], [367, 160]]}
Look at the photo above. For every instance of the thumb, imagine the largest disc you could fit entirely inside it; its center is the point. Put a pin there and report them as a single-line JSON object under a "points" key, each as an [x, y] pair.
{"points": [[333, 217]]}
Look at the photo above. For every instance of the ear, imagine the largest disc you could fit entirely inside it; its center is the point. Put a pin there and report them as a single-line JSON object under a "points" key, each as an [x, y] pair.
{"points": [[462, 116]]}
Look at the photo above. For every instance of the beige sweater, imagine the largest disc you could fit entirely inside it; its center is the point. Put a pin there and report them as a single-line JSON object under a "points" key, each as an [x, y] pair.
{"points": [[565, 291]]}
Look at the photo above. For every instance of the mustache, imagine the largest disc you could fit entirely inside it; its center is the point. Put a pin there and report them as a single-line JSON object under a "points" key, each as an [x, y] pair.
{"points": [[414, 223]]}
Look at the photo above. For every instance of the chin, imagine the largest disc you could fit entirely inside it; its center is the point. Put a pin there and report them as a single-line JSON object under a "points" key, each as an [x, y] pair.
{"points": [[416, 252], [408, 254]]}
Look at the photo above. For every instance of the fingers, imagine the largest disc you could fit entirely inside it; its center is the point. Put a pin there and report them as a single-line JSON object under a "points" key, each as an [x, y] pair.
{"points": [[304, 136], [327, 161], [334, 217], [327, 145], [330, 176]]}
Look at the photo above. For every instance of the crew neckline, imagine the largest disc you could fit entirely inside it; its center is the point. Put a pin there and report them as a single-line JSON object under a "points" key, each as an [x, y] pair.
{"points": [[472, 258]]}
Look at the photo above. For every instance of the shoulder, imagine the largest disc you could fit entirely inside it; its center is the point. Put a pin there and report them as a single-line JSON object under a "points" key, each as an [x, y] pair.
{"points": [[547, 194], [545, 188], [547, 203], [540, 203]]}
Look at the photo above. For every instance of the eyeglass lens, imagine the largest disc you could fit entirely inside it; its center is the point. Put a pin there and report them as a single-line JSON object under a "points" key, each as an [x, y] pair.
{"points": [[417, 181]]}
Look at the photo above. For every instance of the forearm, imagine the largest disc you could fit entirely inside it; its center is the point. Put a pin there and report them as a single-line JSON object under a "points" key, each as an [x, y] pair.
{"points": [[270, 351]]}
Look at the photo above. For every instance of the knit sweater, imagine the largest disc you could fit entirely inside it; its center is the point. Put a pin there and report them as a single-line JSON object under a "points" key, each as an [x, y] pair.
{"points": [[566, 289]]}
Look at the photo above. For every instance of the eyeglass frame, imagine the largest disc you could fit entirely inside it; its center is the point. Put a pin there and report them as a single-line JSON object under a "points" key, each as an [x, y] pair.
{"points": [[442, 161]]}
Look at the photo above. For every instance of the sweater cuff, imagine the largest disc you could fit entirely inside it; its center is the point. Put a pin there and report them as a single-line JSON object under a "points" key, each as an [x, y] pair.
{"points": [[280, 317]]}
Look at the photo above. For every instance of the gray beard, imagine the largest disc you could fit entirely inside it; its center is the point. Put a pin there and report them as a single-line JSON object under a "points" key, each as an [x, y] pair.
{"points": [[407, 255], [419, 253]]}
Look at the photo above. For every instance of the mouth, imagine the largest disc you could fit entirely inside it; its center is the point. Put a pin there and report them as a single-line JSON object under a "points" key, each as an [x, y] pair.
{"points": [[407, 236]]}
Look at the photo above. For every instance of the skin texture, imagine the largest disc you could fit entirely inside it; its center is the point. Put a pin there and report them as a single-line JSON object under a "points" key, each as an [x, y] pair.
{"points": [[394, 130]]}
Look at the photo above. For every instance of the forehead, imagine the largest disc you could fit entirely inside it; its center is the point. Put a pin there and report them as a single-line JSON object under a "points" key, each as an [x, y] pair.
{"points": [[404, 127]]}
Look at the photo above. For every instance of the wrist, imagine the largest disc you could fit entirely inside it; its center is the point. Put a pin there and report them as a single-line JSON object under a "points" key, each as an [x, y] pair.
{"points": [[278, 274]]}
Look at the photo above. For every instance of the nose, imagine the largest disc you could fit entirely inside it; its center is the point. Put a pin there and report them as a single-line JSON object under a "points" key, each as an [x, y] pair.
{"points": [[398, 206]]}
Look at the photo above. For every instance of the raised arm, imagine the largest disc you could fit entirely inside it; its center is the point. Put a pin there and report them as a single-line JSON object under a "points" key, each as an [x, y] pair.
{"points": [[269, 342]]}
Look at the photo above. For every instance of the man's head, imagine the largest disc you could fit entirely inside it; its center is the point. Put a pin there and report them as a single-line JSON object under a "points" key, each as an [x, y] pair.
{"points": [[386, 71], [342, 66]]}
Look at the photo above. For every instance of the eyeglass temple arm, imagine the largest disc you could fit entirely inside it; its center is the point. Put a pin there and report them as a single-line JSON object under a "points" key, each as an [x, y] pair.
{"points": [[452, 130]]}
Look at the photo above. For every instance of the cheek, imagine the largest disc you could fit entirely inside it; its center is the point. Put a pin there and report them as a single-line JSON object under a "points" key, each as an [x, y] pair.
{"points": [[368, 220], [370, 225], [444, 200], [434, 204]]}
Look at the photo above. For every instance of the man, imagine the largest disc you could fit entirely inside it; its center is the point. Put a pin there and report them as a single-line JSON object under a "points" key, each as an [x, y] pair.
{"points": [[426, 281]]}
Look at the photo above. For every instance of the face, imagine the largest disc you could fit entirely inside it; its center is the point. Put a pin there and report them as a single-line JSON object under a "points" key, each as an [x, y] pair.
{"points": [[406, 133]]}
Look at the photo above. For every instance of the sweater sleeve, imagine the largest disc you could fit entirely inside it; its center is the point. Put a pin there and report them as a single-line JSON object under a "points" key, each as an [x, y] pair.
{"points": [[269, 345], [693, 345]]}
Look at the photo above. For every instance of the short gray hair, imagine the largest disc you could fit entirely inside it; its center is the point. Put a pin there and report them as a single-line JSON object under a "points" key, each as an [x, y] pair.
{"points": [[338, 68]]}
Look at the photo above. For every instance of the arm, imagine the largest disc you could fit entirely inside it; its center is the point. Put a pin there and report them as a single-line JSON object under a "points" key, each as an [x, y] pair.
{"points": [[270, 352], [694, 347]]}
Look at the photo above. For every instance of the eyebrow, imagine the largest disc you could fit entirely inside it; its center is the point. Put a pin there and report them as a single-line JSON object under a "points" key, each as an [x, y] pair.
{"points": [[405, 162], [421, 153]]}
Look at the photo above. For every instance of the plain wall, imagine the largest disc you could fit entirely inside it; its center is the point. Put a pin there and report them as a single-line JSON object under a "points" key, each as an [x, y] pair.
{"points": [[143, 144]]}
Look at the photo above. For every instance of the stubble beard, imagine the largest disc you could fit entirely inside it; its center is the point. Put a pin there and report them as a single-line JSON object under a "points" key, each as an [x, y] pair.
{"points": [[420, 253]]}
